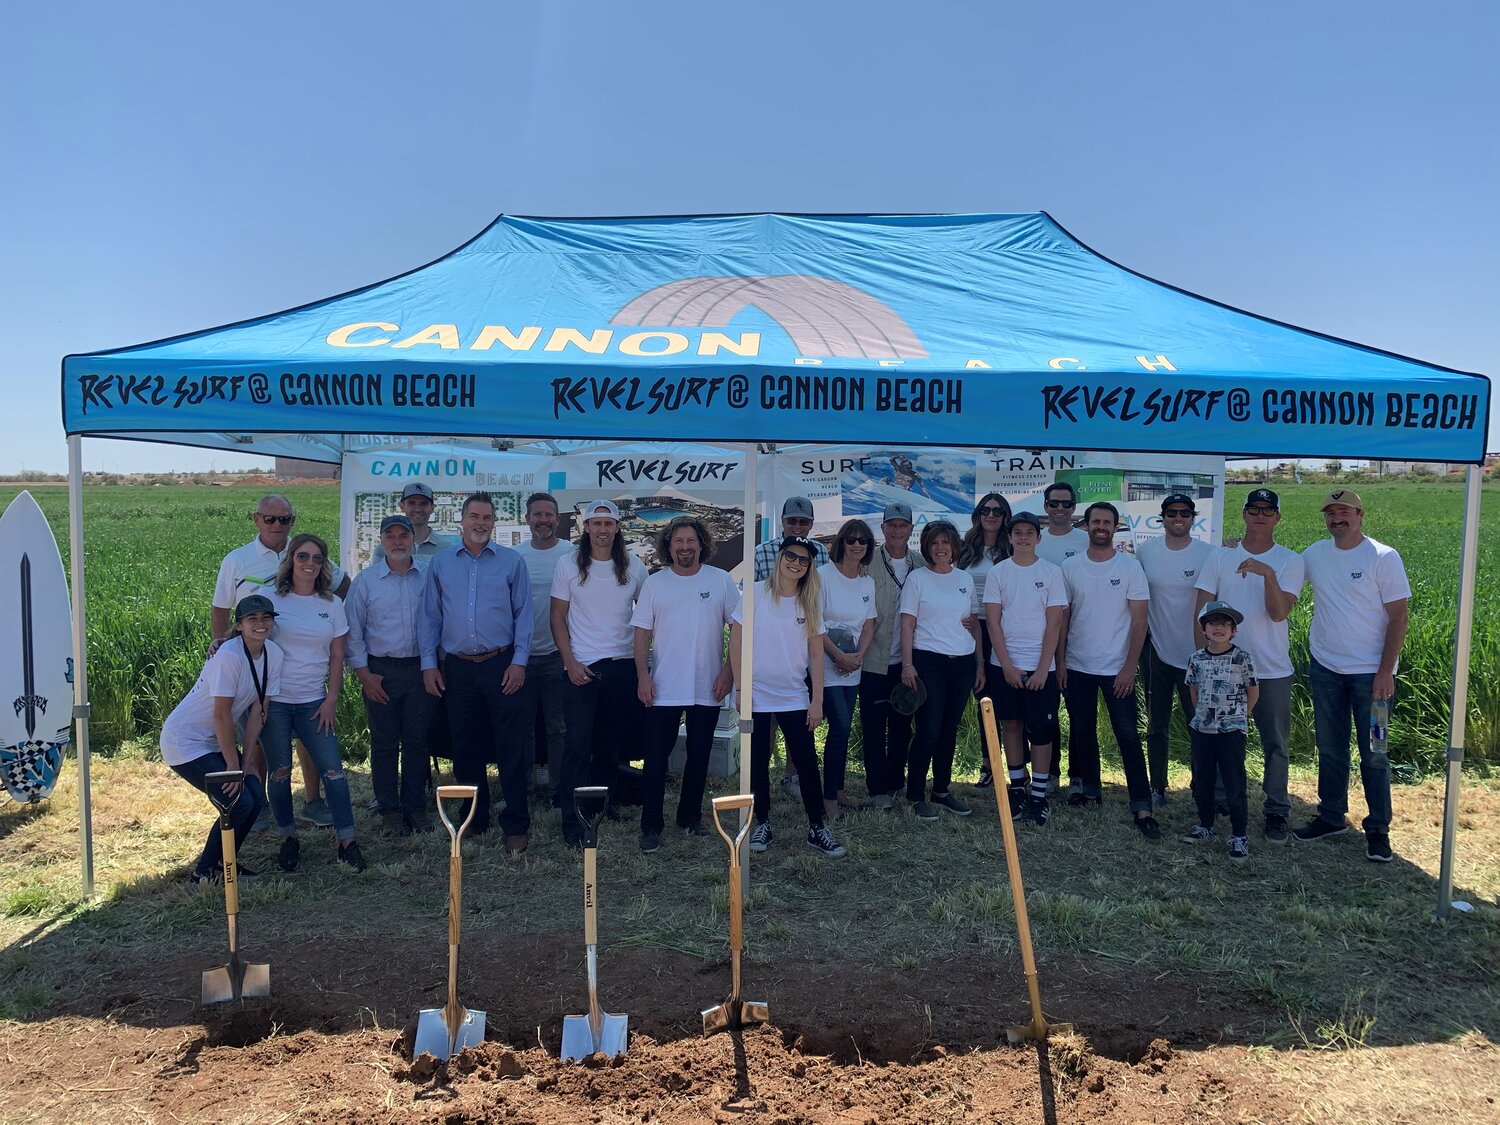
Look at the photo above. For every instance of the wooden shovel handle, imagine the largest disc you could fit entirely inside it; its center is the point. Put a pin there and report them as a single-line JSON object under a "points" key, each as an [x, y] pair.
{"points": [[455, 896], [590, 899], [469, 793]]}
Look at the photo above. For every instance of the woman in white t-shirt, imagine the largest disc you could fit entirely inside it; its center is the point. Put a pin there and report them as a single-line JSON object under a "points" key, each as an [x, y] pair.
{"points": [[940, 647], [788, 637], [199, 736], [310, 628], [986, 543], [849, 627]]}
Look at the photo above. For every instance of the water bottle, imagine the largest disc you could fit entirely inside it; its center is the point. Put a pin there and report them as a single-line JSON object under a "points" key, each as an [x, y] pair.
{"points": [[1380, 725]]}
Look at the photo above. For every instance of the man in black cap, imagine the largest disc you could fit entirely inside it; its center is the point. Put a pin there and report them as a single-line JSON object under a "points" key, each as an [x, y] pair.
{"points": [[384, 604]]}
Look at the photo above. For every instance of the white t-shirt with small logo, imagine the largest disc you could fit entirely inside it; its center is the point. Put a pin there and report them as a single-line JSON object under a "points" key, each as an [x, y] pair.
{"points": [[1350, 592], [306, 627], [1268, 642], [847, 604], [940, 602], [598, 610], [1100, 594], [1172, 577], [781, 653], [1024, 594], [541, 566], [189, 730], [1058, 549], [686, 615]]}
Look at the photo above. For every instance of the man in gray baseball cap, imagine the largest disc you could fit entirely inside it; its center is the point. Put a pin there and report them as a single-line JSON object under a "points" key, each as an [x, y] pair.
{"points": [[417, 505], [796, 519]]}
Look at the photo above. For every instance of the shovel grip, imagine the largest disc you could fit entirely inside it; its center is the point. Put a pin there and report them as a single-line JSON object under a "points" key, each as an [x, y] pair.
{"points": [[739, 802], [590, 899], [455, 896], [469, 793]]}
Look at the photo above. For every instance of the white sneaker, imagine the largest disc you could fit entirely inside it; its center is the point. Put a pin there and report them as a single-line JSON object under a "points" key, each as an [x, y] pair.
{"points": [[760, 839]]}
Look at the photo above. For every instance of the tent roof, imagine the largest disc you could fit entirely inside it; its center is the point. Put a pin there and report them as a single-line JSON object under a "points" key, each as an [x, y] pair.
{"points": [[910, 329]]}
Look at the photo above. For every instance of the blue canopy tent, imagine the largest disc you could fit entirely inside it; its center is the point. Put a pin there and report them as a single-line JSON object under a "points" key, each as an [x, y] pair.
{"points": [[951, 330]]}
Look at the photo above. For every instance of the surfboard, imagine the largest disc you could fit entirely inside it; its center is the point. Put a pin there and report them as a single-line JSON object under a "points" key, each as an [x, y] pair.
{"points": [[36, 653]]}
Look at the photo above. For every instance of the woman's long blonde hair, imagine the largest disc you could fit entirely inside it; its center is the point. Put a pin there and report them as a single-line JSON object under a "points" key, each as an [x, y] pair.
{"points": [[809, 594]]}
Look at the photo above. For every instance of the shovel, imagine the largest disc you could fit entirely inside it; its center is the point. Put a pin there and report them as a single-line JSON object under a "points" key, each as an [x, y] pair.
{"points": [[598, 1032], [443, 1032], [1038, 1029], [238, 978], [734, 1012]]}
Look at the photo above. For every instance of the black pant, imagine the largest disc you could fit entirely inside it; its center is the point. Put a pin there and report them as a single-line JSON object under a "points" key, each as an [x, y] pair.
{"points": [[1161, 678], [799, 750], [242, 813], [604, 724], [1082, 698], [485, 723], [991, 674], [885, 731], [398, 734], [1220, 755], [662, 735], [949, 681]]}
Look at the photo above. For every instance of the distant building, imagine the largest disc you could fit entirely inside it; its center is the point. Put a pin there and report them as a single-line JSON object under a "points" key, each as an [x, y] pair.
{"points": [[295, 468]]}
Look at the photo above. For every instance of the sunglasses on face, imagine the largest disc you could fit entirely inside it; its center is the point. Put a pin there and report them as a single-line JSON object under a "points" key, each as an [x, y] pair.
{"points": [[1061, 504], [795, 558], [1178, 513], [1259, 510], [858, 540], [992, 510], [284, 521], [307, 556]]}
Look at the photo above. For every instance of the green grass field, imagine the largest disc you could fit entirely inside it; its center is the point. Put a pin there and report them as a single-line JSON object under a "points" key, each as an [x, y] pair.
{"points": [[152, 553]]}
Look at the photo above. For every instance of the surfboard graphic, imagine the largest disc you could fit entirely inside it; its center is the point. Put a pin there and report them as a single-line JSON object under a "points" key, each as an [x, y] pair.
{"points": [[36, 664]]}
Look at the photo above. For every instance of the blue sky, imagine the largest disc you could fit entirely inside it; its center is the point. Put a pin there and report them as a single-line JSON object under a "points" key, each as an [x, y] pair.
{"points": [[173, 166]]}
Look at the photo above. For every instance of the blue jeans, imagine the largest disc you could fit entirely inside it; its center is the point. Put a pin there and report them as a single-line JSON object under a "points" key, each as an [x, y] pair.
{"points": [[283, 720], [1338, 700], [242, 814], [838, 709]]}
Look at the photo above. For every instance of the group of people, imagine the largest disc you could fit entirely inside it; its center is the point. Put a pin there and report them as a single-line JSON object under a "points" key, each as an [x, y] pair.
{"points": [[489, 654]]}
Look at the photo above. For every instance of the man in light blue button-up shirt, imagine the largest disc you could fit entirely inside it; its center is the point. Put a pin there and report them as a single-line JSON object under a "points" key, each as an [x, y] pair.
{"points": [[477, 607]]}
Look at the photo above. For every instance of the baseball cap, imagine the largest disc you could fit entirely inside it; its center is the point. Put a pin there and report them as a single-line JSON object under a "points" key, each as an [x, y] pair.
{"points": [[1025, 517], [798, 541], [1346, 496], [1263, 496], [416, 488], [396, 521], [1220, 609], [253, 603], [797, 506], [897, 511], [601, 508], [1179, 498]]}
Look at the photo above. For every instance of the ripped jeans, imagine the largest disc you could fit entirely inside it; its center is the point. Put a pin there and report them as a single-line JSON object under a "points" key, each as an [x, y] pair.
{"points": [[283, 720], [1339, 700]]}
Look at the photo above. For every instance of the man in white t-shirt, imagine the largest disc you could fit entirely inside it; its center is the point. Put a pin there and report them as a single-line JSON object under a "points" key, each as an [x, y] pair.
{"points": [[1107, 599], [416, 504], [887, 732], [1262, 579], [680, 668], [1359, 622], [543, 699], [1173, 565], [251, 569], [1060, 540], [593, 596], [1025, 602]]}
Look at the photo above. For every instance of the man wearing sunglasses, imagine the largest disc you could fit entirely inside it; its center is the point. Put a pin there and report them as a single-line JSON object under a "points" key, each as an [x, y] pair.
{"points": [[1172, 565], [796, 519], [1261, 578], [251, 569], [1060, 540]]}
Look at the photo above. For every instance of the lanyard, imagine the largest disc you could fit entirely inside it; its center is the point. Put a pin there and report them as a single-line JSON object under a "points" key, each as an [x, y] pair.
{"points": [[260, 680], [885, 560]]}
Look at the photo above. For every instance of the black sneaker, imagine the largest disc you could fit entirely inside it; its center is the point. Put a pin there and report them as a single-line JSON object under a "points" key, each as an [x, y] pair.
{"points": [[1076, 799], [1239, 847], [1017, 802], [1038, 811], [242, 875], [1198, 834], [949, 803], [351, 856], [986, 779], [290, 853], [1276, 832], [699, 829], [650, 842], [1148, 828], [1318, 829], [1378, 847], [760, 838], [1081, 800], [821, 840]]}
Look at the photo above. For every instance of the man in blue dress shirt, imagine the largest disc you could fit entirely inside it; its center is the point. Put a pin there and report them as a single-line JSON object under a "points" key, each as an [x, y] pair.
{"points": [[384, 605], [477, 607]]}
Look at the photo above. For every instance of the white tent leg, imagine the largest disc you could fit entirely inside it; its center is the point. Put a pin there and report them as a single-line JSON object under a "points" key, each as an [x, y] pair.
{"points": [[80, 661], [747, 648], [1463, 636]]}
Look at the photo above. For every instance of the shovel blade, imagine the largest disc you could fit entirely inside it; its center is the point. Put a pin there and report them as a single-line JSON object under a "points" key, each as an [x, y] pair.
{"points": [[257, 979], [578, 1040], [735, 1013], [236, 981], [435, 1038], [218, 985]]}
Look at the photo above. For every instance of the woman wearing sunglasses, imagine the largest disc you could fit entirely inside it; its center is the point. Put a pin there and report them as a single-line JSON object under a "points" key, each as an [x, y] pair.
{"points": [[985, 543], [939, 646], [310, 628], [788, 640], [849, 618]]}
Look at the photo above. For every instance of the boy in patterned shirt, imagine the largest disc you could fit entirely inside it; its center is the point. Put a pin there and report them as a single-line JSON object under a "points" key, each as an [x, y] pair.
{"points": [[1222, 680]]}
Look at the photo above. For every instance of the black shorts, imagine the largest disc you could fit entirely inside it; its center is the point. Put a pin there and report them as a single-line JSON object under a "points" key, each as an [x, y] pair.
{"points": [[1035, 710]]}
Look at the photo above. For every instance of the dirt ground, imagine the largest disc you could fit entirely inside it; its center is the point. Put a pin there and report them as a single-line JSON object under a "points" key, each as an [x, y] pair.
{"points": [[847, 1047]]}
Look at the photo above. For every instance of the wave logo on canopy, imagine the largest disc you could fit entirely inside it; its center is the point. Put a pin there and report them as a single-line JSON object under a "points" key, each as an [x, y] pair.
{"points": [[823, 317]]}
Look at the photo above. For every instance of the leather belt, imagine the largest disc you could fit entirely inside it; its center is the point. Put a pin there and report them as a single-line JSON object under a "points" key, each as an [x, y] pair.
{"points": [[481, 657], [396, 659]]}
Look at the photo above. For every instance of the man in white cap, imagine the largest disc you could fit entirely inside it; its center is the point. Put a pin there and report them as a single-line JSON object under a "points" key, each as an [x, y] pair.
{"points": [[796, 519], [1359, 622], [251, 569], [1262, 580], [542, 699], [417, 505], [887, 731], [592, 598]]}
